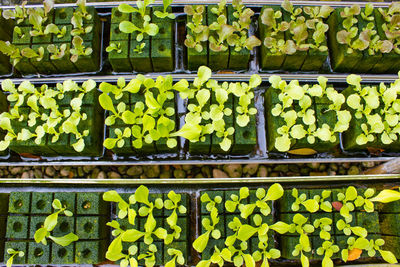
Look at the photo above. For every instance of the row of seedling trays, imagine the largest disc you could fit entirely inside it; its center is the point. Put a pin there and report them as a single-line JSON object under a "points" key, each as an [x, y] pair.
{"points": [[202, 226], [55, 40], [176, 119]]}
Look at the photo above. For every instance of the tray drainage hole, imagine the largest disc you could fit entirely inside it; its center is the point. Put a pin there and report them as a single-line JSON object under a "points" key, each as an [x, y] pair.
{"points": [[17, 227], [86, 205], [246, 134], [162, 30], [18, 204], [40, 204], [39, 225], [64, 227], [88, 227], [161, 48], [86, 253], [63, 15], [38, 252], [62, 252]]}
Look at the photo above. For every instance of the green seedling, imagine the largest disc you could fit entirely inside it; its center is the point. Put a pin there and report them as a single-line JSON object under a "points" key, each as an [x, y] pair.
{"points": [[13, 253], [78, 49], [50, 223]]}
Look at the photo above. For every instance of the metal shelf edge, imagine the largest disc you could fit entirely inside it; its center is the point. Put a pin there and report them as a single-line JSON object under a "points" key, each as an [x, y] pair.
{"points": [[198, 181], [200, 2], [191, 162], [217, 76]]}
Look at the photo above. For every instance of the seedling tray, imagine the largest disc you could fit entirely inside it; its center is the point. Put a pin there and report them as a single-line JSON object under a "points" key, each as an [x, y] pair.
{"points": [[192, 187], [179, 49], [260, 155]]}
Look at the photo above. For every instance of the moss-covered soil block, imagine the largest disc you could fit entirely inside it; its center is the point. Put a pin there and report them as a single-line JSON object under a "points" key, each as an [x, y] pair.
{"points": [[68, 199], [65, 225], [341, 60], [270, 61], [89, 252], [17, 227], [91, 204], [19, 202], [389, 62], [38, 253], [245, 138], [36, 222], [18, 246], [62, 255], [41, 203], [90, 227], [194, 58], [215, 140]]}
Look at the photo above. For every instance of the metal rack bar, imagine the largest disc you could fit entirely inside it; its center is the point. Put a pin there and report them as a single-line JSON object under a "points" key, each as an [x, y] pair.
{"points": [[195, 181], [239, 77], [205, 2], [189, 162]]}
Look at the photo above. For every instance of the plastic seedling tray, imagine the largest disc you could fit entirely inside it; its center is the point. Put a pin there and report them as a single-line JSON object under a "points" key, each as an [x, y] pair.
{"points": [[259, 154], [161, 50], [192, 190]]}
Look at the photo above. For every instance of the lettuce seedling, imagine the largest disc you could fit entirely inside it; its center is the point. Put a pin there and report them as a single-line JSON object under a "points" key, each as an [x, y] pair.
{"points": [[56, 52], [201, 242], [390, 26], [274, 192], [375, 245], [265, 254], [177, 257], [11, 51], [78, 49], [199, 32], [165, 13], [38, 16], [327, 249], [19, 13], [172, 203], [241, 24], [149, 257], [242, 256], [223, 32], [13, 254], [324, 224], [148, 28], [50, 223], [311, 205], [218, 257], [52, 28], [301, 227], [123, 206], [114, 46]]}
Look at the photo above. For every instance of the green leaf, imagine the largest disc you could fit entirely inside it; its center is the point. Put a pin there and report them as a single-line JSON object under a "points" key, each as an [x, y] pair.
{"points": [[151, 29], [304, 260], [201, 242], [248, 260], [40, 235], [50, 222], [311, 205], [132, 235], [280, 227], [388, 256], [128, 27], [142, 195], [204, 73], [106, 103], [65, 240], [125, 8], [245, 232], [386, 196], [56, 204], [275, 192]]}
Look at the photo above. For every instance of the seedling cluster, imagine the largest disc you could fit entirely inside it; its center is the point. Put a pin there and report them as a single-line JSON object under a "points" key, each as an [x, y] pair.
{"points": [[48, 40], [47, 117], [314, 224], [142, 234]]}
